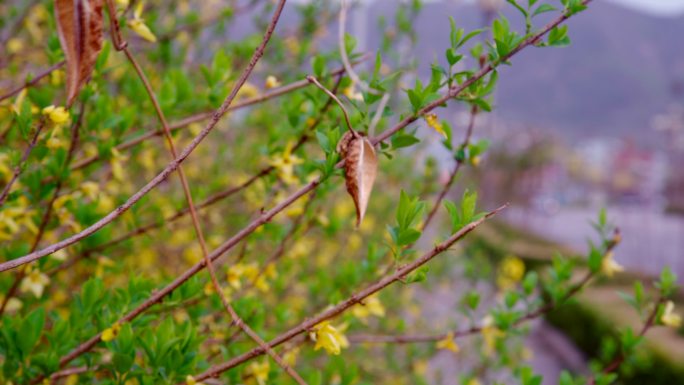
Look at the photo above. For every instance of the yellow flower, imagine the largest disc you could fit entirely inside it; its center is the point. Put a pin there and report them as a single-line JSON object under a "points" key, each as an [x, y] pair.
{"points": [[290, 357], [669, 317], [137, 24], [248, 90], [370, 306], [116, 163], [350, 92], [35, 282], [475, 161], [14, 45], [90, 189], [448, 343], [111, 333], [190, 380], [257, 373], [510, 272], [609, 267], [57, 115], [491, 334], [272, 82], [123, 4], [233, 274], [433, 122], [284, 164], [329, 338], [474, 381]]}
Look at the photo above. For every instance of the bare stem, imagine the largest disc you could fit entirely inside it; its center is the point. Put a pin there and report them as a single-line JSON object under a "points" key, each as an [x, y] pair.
{"points": [[313, 80], [358, 297], [17, 170]]}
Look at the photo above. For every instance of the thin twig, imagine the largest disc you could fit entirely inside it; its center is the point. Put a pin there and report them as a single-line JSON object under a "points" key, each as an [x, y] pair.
{"points": [[24, 158], [343, 51], [313, 80], [621, 357], [358, 297], [33, 81], [457, 167], [204, 116]]}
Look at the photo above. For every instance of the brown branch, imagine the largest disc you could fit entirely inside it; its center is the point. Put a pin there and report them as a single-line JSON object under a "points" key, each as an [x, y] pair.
{"points": [[156, 181], [17, 170], [206, 203], [33, 81], [530, 315], [313, 80], [457, 167], [349, 302], [204, 116], [617, 361]]}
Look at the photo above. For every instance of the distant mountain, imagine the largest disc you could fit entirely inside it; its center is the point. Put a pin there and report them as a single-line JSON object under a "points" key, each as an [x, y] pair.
{"points": [[621, 68]]}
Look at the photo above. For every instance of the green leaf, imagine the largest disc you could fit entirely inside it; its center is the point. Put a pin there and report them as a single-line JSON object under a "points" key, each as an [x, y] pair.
{"points": [[543, 8], [406, 140], [558, 37], [30, 331]]}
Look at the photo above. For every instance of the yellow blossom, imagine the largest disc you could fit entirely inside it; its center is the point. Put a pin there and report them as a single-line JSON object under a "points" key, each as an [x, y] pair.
{"points": [[290, 357], [491, 334], [59, 255], [609, 266], [57, 77], [35, 282], [272, 82], [57, 115], [285, 163], [669, 317], [257, 373], [248, 90], [190, 380], [111, 333], [350, 92], [233, 274], [435, 124], [116, 163], [329, 338], [510, 272], [137, 24], [448, 343], [19, 101], [90, 189], [123, 4], [475, 160], [473, 381], [370, 306], [13, 304]]}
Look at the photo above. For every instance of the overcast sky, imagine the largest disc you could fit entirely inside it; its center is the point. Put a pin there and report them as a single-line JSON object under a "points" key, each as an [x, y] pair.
{"points": [[661, 7]]}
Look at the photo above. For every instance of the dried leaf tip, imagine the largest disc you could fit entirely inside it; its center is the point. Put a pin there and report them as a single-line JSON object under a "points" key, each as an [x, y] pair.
{"points": [[360, 169], [79, 27]]}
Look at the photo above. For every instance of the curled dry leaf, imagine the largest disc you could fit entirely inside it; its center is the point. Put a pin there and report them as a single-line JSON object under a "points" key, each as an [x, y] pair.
{"points": [[360, 169], [79, 26]]}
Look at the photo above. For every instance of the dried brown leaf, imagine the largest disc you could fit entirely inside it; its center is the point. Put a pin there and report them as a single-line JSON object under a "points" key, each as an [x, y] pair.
{"points": [[79, 26], [360, 169]]}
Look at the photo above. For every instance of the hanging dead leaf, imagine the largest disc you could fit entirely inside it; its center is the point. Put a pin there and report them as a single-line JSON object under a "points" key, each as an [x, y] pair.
{"points": [[360, 169], [79, 26]]}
